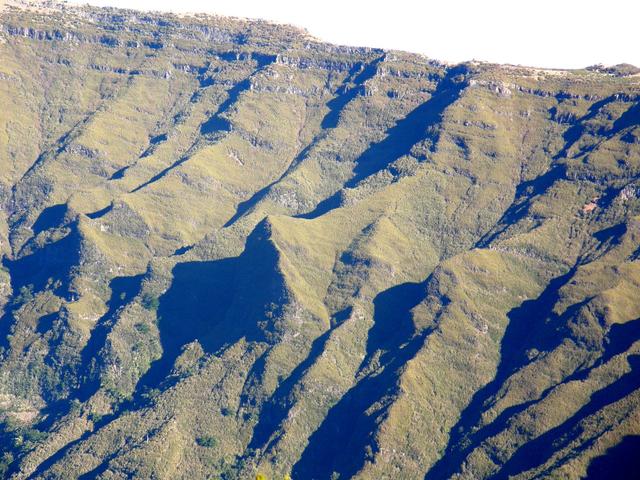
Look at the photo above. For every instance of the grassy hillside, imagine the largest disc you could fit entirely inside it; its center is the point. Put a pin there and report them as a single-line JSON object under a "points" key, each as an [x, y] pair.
{"points": [[230, 249]]}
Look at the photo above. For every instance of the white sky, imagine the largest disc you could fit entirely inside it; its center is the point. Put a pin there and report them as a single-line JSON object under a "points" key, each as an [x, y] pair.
{"points": [[541, 33]]}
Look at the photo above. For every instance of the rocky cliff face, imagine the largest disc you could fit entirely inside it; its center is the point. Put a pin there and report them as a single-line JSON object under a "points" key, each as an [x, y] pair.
{"points": [[229, 248]]}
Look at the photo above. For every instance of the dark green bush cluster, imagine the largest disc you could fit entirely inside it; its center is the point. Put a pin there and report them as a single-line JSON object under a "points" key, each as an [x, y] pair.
{"points": [[208, 441], [142, 328], [24, 296], [16, 440], [150, 302]]}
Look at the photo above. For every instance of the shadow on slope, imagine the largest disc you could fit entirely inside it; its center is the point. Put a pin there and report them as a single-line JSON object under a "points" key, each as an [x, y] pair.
{"points": [[345, 439], [525, 192], [100, 213], [276, 409], [531, 316], [540, 449], [218, 302], [216, 125], [219, 123], [411, 129], [629, 118], [346, 93], [195, 308], [575, 131], [123, 290], [362, 73], [244, 207], [620, 461], [47, 268], [50, 217], [400, 139], [198, 298], [392, 320]]}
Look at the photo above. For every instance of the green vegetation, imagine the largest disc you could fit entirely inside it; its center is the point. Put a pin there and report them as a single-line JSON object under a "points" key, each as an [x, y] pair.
{"points": [[5, 463], [150, 303], [347, 263], [143, 327], [16, 440], [207, 441], [25, 295], [95, 417]]}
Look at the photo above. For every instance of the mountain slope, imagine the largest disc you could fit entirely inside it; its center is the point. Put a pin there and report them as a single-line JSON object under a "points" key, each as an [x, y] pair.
{"points": [[229, 248]]}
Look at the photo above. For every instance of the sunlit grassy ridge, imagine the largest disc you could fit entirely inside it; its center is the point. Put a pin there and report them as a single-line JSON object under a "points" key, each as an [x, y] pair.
{"points": [[230, 250]]}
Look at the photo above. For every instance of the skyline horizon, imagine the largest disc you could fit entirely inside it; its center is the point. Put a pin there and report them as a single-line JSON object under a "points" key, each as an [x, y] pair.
{"points": [[501, 41]]}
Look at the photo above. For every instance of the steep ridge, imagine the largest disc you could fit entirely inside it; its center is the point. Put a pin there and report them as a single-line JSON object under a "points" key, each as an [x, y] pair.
{"points": [[230, 249]]}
